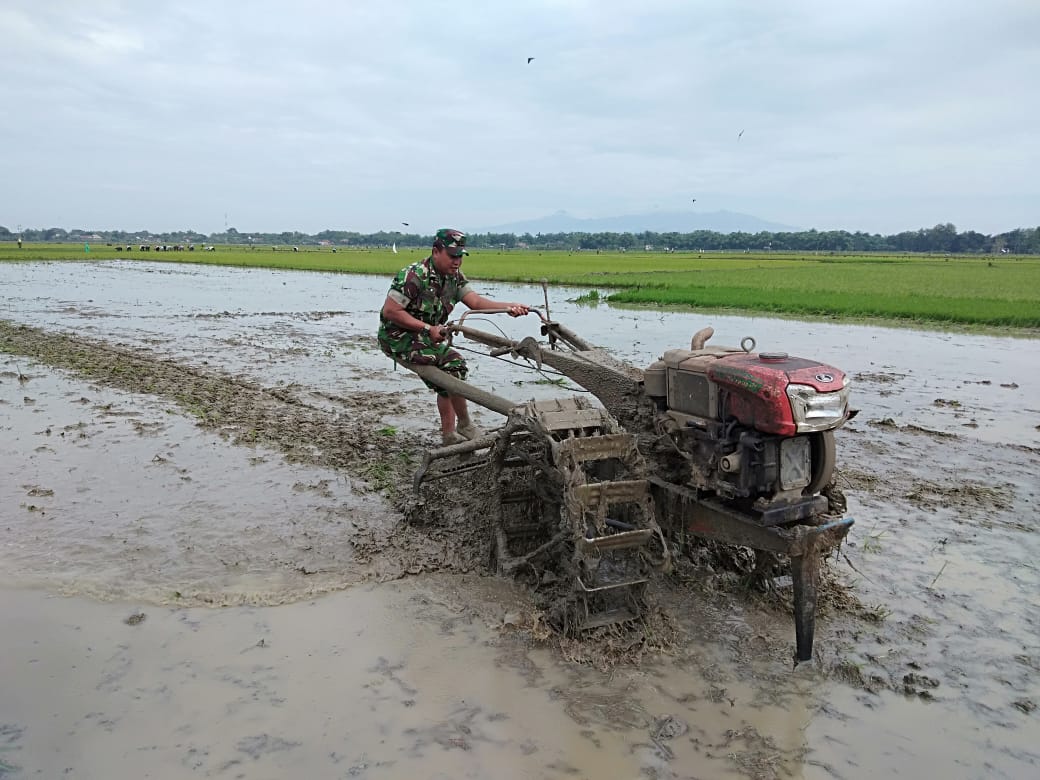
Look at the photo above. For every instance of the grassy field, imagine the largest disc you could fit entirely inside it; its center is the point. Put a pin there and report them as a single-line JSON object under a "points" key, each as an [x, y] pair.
{"points": [[1001, 292]]}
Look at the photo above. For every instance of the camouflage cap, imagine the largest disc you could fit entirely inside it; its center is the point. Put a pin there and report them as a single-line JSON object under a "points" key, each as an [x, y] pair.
{"points": [[452, 240]]}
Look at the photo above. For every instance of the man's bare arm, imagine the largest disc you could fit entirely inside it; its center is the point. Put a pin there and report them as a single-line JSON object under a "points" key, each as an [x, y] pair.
{"points": [[478, 302]]}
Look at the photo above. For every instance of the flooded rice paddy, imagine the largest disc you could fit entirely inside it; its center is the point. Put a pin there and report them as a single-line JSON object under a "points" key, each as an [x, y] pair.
{"points": [[177, 438]]}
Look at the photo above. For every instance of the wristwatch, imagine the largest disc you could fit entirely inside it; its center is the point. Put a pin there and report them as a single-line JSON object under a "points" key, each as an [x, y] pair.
{"points": [[426, 327]]}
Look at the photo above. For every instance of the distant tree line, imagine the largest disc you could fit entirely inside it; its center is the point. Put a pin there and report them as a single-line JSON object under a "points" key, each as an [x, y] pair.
{"points": [[939, 239]]}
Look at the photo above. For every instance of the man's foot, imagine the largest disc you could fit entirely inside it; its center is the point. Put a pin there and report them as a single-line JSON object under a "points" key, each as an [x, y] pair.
{"points": [[453, 438], [469, 430]]}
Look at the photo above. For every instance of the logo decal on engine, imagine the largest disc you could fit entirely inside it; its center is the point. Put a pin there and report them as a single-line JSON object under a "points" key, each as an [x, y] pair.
{"points": [[824, 377], [739, 377]]}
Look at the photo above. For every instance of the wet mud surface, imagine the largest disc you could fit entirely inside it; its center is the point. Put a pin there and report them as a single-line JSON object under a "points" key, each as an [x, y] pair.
{"points": [[163, 459]]}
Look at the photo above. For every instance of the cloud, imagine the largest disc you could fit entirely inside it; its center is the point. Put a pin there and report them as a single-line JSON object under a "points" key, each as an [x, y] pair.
{"points": [[880, 117]]}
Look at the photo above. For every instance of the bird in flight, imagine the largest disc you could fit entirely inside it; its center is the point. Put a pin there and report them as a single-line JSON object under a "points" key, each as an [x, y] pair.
{"points": [[405, 224], [529, 60], [740, 134], [694, 200]]}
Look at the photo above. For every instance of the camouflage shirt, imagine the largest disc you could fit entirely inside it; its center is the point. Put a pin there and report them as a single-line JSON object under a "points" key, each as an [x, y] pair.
{"points": [[427, 295]]}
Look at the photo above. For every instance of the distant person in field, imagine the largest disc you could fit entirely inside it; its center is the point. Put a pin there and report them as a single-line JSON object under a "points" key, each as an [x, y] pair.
{"points": [[19, 242], [411, 331]]}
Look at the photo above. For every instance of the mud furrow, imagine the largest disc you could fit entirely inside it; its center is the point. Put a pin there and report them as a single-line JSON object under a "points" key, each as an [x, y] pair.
{"points": [[236, 407]]}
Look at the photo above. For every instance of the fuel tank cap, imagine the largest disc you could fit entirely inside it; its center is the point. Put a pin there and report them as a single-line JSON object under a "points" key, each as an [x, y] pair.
{"points": [[772, 357]]}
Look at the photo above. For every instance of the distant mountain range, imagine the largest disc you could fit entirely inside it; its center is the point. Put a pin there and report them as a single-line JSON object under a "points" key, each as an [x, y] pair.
{"points": [[657, 222]]}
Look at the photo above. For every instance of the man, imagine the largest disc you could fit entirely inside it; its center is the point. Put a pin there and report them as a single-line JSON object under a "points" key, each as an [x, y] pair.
{"points": [[411, 331]]}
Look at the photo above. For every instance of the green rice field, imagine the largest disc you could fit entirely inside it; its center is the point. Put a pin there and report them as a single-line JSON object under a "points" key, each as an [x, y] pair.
{"points": [[963, 291]]}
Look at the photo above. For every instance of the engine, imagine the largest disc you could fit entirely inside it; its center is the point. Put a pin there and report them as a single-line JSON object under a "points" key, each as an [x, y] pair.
{"points": [[755, 428]]}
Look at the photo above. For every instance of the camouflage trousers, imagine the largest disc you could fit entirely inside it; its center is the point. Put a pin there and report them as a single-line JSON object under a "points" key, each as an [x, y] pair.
{"points": [[417, 349]]}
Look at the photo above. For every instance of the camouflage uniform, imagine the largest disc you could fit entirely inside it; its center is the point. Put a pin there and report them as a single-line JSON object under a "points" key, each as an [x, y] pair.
{"points": [[428, 296]]}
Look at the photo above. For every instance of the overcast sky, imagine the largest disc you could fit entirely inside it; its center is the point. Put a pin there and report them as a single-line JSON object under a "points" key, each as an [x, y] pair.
{"points": [[880, 116]]}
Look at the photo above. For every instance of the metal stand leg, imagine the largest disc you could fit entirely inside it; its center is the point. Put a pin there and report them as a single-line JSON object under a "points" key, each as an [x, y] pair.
{"points": [[805, 570]]}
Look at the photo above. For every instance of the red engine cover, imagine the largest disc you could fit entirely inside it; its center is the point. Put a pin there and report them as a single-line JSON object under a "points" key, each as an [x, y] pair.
{"points": [[757, 385]]}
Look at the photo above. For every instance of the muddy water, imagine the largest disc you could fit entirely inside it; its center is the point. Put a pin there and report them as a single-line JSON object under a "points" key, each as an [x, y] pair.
{"points": [[402, 680], [927, 649], [120, 496], [317, 330]]}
